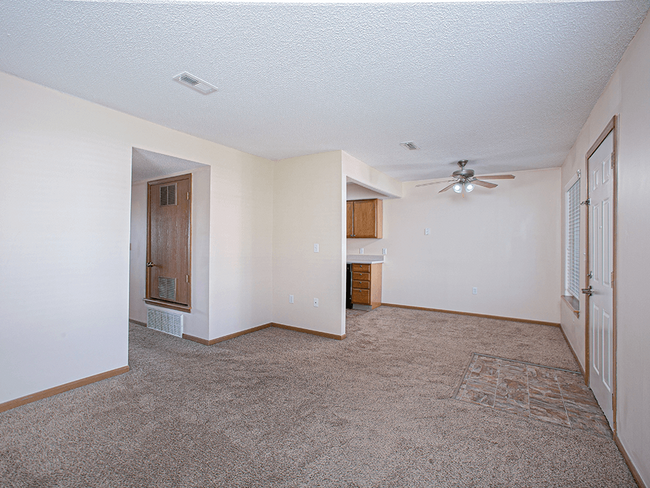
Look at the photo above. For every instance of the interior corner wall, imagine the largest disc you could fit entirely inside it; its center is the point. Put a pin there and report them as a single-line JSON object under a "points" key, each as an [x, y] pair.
{"points": [[138, 254], [308, 210], [241, 244], [504, 241], [64, 234], [369, 177], [195, 323], [628, 96]]}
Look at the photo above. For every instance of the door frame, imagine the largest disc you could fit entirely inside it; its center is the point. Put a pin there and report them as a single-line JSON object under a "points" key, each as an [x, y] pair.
{"points": [[612, 127], [148, 299]]}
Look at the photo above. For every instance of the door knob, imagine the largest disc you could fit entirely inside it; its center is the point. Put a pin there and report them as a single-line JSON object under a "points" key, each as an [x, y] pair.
{"points": [[150, 265], [588, 291]]}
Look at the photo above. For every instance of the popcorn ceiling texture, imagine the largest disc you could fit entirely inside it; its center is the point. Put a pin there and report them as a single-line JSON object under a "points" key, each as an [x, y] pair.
{"points": [[506, 85]]}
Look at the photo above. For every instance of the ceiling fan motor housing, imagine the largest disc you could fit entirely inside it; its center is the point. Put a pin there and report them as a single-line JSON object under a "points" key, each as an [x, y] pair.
{"points": [[462, 172]]}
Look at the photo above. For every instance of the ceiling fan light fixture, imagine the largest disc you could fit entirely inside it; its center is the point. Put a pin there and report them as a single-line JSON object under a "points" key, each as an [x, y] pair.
{"points": [[469, 187], [458, 187]]}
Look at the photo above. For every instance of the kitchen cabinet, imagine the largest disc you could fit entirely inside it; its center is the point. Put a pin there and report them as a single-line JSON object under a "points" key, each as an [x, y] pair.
{"points": [[365, 218], [366, 284]]}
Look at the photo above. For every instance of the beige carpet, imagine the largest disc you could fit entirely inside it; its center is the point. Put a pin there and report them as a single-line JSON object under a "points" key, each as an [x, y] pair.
{"points": [[282, 408]]}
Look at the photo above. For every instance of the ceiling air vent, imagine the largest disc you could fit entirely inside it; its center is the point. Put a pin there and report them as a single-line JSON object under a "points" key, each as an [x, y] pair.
{"points": [[195, 83], [410, 145]]}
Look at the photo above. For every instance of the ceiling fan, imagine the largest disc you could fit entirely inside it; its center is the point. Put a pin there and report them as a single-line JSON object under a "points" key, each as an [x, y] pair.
{"points": [[464, 179]]}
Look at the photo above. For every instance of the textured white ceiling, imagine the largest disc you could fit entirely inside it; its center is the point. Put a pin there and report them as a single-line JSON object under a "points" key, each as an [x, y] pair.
{"points": [[507, 85]]}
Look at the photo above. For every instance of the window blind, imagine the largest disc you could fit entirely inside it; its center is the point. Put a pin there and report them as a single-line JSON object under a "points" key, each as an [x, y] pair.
{"points": [[573, 240]]}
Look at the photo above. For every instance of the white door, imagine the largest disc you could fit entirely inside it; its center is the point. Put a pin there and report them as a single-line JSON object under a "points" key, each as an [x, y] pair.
{"points": [[601, 303]]}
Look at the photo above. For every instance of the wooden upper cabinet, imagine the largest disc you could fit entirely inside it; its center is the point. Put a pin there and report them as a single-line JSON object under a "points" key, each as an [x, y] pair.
{"points": [[365, 218], [350, 207]]}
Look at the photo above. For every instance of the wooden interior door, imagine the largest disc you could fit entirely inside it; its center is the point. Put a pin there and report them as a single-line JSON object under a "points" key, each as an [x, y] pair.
{"points": [[601, 274], [168, 244]]}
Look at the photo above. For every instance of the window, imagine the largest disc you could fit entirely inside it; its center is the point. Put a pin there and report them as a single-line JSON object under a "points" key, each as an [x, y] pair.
{"points": [[572, 271]]}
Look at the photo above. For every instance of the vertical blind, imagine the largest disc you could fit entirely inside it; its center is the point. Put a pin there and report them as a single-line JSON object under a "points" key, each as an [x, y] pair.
{"points": [[573, 240]]}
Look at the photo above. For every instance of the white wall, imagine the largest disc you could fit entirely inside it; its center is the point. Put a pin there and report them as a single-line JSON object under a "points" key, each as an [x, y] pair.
{"points": [[628, 95], [308, 210], [504, 241], [64, 242], [195, 323], [356, 192], [241, 243]]}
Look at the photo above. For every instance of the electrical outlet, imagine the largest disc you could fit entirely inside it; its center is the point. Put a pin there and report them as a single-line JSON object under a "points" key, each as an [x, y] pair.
{"points": [[315, 302], [427, 232], [384, 251], [290, 298], [361, 251], [316, 248], [474, 291]]}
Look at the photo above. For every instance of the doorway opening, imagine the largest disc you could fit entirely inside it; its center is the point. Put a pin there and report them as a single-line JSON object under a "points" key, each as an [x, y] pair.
{"points": [[191, 285]]}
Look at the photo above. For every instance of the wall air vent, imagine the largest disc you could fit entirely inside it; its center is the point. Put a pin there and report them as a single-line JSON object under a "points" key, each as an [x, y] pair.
{"points": [[167, 322], [410, 145], [195, 83], [167, 288], [168, 195]]}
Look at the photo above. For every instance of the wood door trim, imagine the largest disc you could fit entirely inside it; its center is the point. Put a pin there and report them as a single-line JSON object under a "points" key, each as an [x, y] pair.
{"points": [[612, 127], [163, 304], [61, 388]]}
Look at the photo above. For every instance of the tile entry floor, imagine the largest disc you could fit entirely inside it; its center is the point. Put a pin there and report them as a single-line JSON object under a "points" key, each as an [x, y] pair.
{"points": [[548, 394]]}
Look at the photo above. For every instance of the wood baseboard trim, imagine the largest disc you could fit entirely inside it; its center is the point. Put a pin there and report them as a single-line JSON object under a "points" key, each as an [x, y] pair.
{"points": [[137, 322], [210, 342], [575, 356], [630, 464], [484, 316], [173, 306], [309, 331], [61, 388]]}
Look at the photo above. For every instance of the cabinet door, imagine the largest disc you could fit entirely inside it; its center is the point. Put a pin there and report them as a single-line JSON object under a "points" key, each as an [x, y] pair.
{"points": [[365, 218], [360, 296], [350, 212]]}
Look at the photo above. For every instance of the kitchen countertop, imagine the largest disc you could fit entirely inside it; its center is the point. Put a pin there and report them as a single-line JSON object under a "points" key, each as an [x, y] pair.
{"points": [[365, 258]]}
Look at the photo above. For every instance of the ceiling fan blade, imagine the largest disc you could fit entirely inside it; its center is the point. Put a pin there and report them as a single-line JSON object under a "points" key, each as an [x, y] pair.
{"points": [[433, 183], [484, 184], [498, 177], [447, 187]]}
